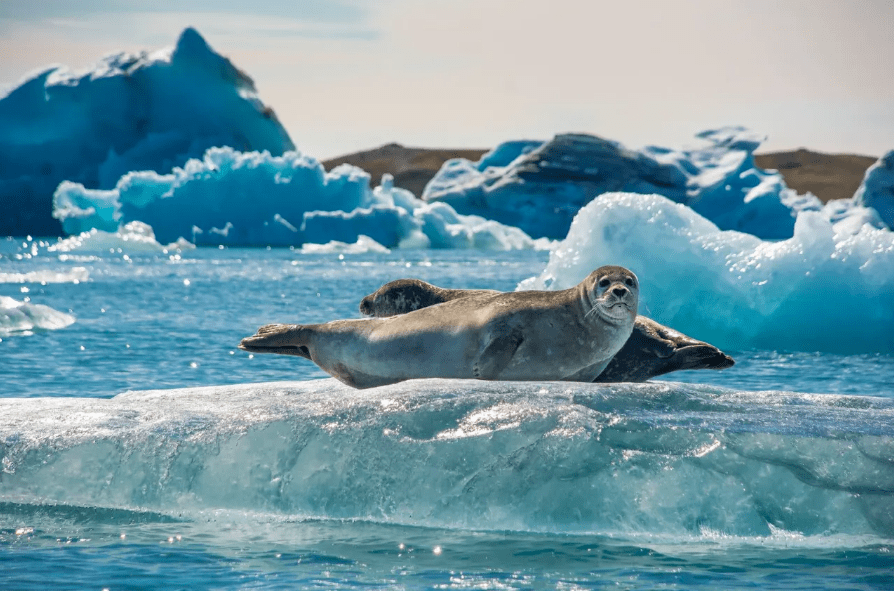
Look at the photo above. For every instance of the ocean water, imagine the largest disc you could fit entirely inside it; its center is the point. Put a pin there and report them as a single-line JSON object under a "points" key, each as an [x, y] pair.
{"points": [[140, 449]]}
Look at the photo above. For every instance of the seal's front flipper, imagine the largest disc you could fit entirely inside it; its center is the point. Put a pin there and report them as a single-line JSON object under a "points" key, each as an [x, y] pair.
{"points": [[496, 355], [284, 339]]}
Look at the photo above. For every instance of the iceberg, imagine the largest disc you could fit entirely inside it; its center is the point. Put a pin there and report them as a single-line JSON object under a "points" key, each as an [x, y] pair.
{"points": [[540, 186], [830, 287], [877, 189], [257, 199], [663, 460], [23, 318], [130, 111]]}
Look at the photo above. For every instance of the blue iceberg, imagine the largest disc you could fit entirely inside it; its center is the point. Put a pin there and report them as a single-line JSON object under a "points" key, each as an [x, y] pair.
{"points": [[877, 189], [257, 199], [540, 186], [131, 111], [830, 287]]}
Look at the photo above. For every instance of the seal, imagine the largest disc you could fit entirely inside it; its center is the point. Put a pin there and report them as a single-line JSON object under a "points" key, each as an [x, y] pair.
{"points": [[527, 335], [652, 349]]}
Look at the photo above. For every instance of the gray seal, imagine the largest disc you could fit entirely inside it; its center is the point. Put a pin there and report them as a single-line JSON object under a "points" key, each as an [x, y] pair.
{"points": [[527, 335], [652, 349]]}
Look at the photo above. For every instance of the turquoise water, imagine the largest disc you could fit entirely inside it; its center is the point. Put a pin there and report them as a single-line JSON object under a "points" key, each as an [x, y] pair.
{"points": [[140, 449]]}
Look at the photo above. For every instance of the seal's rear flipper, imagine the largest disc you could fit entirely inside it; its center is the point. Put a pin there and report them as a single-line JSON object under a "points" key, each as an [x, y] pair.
{"points": [[496, 355], [284, 339]]}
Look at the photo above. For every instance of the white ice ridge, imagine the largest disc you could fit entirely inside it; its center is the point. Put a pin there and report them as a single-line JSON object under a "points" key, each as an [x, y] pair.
{"points": [[131, 238], [130, 111], [540, 186], [256, 199], [24, 317], [657, 458], [363, 244], [828, 288]]}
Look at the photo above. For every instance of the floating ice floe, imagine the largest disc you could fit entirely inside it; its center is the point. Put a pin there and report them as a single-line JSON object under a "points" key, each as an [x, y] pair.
{"points": [[134, 237], [256, 199], [828, 288], [540, 186], [660, 459], [24, 317], [130, 111], [363, 244]]}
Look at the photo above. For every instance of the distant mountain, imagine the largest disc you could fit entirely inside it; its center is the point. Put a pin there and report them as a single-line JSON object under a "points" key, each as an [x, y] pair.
{"points": [[828, 176], [411, 168]]}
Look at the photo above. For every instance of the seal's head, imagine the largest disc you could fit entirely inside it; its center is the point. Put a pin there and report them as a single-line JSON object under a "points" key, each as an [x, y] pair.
{"points": [[612, 295]]}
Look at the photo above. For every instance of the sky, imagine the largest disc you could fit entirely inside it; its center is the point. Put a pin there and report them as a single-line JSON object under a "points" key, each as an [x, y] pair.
{"points": [[349, 75]]}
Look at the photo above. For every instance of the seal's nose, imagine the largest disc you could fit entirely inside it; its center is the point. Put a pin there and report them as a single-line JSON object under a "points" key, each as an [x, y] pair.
{"points": [[619, 291]]}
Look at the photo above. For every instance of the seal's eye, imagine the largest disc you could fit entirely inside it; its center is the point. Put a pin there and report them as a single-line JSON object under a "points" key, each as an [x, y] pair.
{"points": [[629, 281], [604, 282]]}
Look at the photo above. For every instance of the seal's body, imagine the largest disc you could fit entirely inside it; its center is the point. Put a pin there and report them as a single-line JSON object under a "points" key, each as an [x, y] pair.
{"points": [[652, 349], [534, 335]]}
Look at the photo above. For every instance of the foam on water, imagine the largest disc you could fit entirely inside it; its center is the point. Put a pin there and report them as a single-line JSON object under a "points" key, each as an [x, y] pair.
{"points": [[664, 460], [74, 275], [828, 288]]}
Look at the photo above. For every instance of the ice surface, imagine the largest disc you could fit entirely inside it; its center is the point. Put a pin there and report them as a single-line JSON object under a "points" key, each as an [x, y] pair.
{"points": [[877, 189], [256, 199], [828, 288], [24, 317], [658, 459], [130, 111], [540, 188]]}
